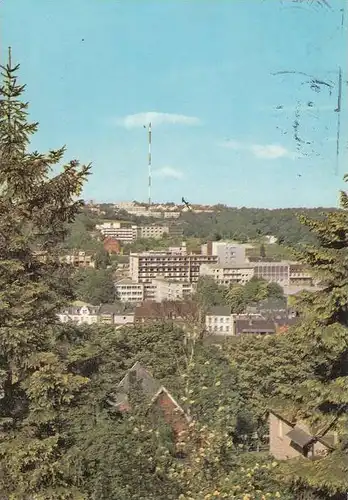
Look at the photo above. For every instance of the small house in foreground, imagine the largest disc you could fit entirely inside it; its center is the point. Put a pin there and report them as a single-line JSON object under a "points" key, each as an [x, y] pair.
{"points": [[290, 439], [174, 415]]}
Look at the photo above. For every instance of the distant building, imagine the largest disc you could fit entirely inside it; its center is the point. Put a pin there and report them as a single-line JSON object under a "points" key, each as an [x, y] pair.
{"points": [[171, 290], [228, 275], [219, 321], [152, 231], [228, 253], [145, 266], [78, 259], [111, 314], [118, 230], [84, 314], [129, 291], [276, 272]]}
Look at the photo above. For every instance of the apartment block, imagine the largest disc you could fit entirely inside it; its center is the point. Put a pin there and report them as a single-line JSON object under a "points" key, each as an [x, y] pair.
{"points": [[78, 259], [274, 272], [171, 290], [228, 275], [129, 291], [145, 266], [152, 231], [118, 231], [228, 253]]}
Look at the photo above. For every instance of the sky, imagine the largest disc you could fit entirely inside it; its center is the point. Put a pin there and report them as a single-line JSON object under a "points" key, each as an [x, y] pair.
{"points": [[241, 95]]}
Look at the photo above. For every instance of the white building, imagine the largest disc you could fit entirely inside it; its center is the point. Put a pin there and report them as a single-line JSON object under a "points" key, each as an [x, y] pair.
{"points": [[152, 231], [119, 231], [219, 321], [228, 253], [227, 275], [171, 290], [129, 291], [145, 266], [85, 314]]}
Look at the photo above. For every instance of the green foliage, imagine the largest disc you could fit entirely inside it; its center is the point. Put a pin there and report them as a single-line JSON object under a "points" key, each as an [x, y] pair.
{"points": [[94, 286], [79, 235], [209, 293], [37, 387], [238, 297], [102, 259], [246, 224]]}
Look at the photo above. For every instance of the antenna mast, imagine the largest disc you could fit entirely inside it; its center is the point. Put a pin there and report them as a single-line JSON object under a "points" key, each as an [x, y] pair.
{"points": [[149, 163]]}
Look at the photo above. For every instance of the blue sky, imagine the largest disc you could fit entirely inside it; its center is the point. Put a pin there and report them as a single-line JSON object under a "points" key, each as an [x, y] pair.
{"points": [[207, 75]]}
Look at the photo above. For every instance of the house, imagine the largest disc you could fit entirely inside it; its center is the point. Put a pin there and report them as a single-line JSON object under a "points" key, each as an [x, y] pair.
{"points": [[289, 438], [79, 313], [114, 314], [111, 245], [219, 321], [157, 395]]}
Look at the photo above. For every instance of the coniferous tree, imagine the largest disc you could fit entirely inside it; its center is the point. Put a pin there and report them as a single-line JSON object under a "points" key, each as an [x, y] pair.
{"points": [[321, 398], [35, 383]]}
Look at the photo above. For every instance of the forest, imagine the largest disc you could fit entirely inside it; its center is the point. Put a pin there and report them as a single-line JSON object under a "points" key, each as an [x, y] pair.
{"points": [[62, 435]]}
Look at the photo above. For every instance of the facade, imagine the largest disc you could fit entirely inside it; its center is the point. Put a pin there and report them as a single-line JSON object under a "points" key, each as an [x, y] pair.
{"points": [[299, 276], [228, 253], [78, 259], [254, 326], [227, 275], [145, 266], [109, 314], [118, 231], [290, 439], [219, 321], [276, 272], [84, 314], [152, 231], [171, 290], [111, 245], [129, 291]]}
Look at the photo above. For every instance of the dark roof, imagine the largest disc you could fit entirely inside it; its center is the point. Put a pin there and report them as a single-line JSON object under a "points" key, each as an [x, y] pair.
{"points": [[112, 309], [300, 437], [219, 311], [166, 309], [148, 384], [254, 326]]}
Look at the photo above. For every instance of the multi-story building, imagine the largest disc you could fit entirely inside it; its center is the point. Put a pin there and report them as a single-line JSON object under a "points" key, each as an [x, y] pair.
{"points": [[152, 231], [171, 290], [219, 321], [84, 314], [129, 291], [119, 231], [145, 266], [228, 253], [78, 259], [228, 275], [275, 272], [110, 314], [299, 275]]}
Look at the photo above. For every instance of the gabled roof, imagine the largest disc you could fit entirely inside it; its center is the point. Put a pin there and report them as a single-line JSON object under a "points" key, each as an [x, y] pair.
{"points": [[150, 386]]}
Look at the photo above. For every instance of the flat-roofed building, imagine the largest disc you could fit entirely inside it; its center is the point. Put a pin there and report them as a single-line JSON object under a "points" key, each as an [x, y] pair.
{"points": [[171, 290], [118, 230], [129, 291], [152, 231], [78, 259], [228, 275], [145, 266], [275, 272]]}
